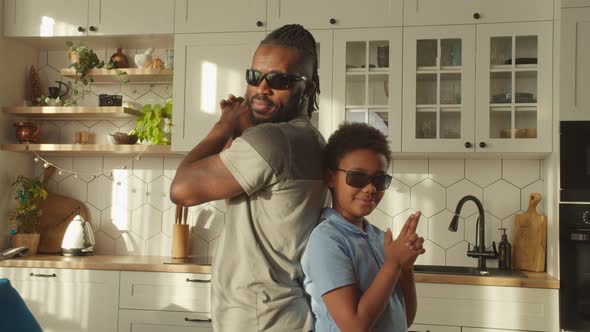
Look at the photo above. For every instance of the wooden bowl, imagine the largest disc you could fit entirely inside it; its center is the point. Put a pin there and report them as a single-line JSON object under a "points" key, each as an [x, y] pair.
{"points": [[123, 138]]}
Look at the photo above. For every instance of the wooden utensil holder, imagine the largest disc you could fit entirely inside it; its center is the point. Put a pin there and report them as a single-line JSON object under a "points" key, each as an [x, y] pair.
{"points": [[180, 236]]}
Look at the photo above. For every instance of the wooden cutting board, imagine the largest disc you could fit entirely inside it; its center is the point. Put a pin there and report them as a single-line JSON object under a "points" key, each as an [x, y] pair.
{"points": [[530, 238], [58, 211]]}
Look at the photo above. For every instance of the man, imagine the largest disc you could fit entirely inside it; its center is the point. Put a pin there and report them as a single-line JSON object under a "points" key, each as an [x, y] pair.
{"points": [[272, 175]]}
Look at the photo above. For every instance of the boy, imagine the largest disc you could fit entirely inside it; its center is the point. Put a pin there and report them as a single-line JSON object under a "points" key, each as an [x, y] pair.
{"points": [[358, 277]]}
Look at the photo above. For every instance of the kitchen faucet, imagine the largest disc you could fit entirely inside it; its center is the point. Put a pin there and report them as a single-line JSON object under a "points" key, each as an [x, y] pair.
{"points": [[478, 250]]}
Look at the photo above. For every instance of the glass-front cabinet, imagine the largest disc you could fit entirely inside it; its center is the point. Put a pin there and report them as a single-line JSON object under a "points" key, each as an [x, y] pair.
{"points": [[514, 87], [439, 76], [367, 80]]}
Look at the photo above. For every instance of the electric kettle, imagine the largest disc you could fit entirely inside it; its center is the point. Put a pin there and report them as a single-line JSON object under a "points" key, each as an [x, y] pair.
{"points": [[78, 239]]}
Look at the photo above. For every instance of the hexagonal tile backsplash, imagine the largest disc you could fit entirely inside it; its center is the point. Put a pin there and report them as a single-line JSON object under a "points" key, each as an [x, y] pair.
{"points": [[132, 213]]}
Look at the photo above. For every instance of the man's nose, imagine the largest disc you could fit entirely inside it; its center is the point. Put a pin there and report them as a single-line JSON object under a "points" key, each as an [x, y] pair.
{"points": [[263, 88]]}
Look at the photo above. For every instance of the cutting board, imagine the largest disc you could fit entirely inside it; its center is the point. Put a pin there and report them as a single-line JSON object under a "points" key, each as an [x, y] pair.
{"points": [[58, 211], [530, 238]]}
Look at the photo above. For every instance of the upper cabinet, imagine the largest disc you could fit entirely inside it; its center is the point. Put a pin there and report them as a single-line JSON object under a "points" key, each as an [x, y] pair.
{"points": [[436, 12], [130, 17], [575, 73], [367, 80], [220, 15], [64, 18], [330, 14], [574, 3]]}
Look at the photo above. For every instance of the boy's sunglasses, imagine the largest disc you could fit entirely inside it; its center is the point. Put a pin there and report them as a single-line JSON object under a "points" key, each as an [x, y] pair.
{"points": [[359, 179], [274, 80]]}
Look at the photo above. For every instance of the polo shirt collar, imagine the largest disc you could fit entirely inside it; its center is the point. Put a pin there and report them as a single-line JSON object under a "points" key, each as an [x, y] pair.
{"points": [[332, 215]]}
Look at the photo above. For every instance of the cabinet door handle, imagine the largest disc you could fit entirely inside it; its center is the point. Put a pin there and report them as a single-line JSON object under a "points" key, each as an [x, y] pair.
{"points": [[81, 29], [476, 16], [92, 28], [196, 280], [332, 21], [482, 144], [186, 319], [53, 275], [468, 145], [258, 23]]}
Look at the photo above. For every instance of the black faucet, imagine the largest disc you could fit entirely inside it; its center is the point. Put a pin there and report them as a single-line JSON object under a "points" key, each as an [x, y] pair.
{"points": [[478, 251]]}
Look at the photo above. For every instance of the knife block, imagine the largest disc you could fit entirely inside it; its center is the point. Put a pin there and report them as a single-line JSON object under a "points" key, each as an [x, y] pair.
{"points": [[180, 236]]}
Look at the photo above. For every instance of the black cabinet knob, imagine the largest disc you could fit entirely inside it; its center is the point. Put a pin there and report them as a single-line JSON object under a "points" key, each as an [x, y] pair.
{"points": [[482, 144], [81, 29], [476, 16], [92, 28], [468, 145], [258, 23], [332, 21]]}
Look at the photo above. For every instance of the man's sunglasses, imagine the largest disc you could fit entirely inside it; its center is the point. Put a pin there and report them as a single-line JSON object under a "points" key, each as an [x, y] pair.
{"points": [[274, 80], [359, 179]]}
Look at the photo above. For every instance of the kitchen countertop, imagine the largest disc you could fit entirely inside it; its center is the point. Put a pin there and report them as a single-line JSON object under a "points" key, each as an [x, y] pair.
{"points": [[199, 265]]}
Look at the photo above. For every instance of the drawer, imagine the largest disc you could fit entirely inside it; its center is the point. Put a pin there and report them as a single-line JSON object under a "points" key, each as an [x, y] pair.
{"points": [[165, 291], [157, 321]]}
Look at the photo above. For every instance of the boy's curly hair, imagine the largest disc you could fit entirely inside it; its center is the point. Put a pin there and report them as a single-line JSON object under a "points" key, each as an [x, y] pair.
{"points": [[355, 136]]}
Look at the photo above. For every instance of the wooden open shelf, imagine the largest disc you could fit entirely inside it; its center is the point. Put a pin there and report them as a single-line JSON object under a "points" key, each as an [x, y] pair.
{"points": [[135, 75], [96, 149], [72, 112]]}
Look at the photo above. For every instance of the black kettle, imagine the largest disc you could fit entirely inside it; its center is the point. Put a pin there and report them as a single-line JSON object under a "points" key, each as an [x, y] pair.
{"points": [[54, 91]]}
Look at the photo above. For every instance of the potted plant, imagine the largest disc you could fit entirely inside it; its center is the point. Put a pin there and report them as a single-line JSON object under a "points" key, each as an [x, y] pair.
{"points": [[83, 59], [155, 123], [29, 191]]}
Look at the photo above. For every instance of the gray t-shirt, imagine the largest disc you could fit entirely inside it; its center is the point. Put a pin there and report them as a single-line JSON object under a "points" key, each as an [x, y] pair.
{"points": [[256, 275]]}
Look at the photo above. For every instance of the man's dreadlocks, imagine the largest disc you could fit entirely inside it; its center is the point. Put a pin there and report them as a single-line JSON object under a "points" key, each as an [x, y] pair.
{"points": [[295, 35]]}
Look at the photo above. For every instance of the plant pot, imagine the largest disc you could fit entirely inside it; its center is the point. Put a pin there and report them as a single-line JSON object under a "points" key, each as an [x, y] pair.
{"points": [[30, 241], [74, 56]]}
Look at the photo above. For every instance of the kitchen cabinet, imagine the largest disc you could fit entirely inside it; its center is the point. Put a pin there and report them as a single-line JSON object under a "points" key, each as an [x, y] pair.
{"points": [[574, 3], [433, 328], [476, 329], [453, 84], [220, 16], [334, 14], [65, 300], [436, 12], [157, 321], [208, 67], [367, 79], [574, 72], [64, 18]]}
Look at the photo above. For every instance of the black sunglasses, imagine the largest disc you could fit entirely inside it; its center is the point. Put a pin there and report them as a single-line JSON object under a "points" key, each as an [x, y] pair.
{"points": [[359, 179], [274, 80]]}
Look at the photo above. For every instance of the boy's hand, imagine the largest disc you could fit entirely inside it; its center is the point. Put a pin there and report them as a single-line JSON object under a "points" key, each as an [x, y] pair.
{"points": [[407, 246]]}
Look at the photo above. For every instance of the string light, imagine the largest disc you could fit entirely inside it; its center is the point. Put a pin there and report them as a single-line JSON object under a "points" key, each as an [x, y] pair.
{"points": [[62, 171]]}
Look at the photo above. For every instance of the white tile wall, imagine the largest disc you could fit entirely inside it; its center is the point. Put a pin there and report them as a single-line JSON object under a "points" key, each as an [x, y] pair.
{"points": [[132, 213]]}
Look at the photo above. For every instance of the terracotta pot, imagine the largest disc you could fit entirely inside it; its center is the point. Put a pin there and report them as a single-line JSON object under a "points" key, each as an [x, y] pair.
{"points": [[30, 241], [74, 56], [27, 132]]}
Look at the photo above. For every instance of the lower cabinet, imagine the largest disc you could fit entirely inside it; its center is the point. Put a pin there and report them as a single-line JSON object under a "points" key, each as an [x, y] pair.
{"points": [[477, 329], [157, 321], [68, 300], [433, 328]]}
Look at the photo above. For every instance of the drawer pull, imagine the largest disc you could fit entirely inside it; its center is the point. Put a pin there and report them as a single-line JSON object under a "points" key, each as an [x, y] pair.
{"points": [[53, 275], [196, 280], [186, 319]]}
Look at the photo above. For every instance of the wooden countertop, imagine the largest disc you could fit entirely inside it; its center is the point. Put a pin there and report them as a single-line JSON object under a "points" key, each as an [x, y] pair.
{"points": [[118, 263], [199, 265]]}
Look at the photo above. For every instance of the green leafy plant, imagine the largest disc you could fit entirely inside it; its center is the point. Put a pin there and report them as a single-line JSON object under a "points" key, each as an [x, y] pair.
{"points": [[87, 60], [155, 123], [29, 191]]}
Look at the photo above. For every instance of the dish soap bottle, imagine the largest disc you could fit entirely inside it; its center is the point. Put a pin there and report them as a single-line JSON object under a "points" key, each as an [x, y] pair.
{"points": [[504, 252]]}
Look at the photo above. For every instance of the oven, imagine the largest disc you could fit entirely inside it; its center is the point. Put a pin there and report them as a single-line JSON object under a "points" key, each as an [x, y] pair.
{"points": [[575, 161]]}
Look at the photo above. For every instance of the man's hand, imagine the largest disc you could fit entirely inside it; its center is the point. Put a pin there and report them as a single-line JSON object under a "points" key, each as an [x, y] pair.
{"points": [[234, 115]]}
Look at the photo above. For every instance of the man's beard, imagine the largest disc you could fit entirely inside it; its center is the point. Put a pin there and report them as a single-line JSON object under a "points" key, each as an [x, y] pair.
{"points": [[281, 114]]}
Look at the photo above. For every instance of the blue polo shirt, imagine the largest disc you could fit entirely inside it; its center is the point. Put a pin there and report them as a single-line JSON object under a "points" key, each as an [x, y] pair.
{"points": [[339, 254]]}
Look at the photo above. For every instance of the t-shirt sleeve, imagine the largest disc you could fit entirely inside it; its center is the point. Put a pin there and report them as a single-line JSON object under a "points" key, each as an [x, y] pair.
{"points": [[247, 166], [328, 265]]}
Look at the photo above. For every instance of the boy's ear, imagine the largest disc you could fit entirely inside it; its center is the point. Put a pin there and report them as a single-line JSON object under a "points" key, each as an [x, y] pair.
{"points": [[329, 178]]}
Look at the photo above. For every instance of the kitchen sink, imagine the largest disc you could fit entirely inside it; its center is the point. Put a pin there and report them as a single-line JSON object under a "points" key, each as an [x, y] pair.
{"points": [[466, 270]]}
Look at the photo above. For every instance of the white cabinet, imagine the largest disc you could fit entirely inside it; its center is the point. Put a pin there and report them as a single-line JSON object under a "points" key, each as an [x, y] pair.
{"points": [[41, 18], [330, 14], [68, 300], [158, 321], [453, 84], [130, 17], [436, 12], [574, 70], [367, 79], [433, 328], [207, 67], [575, 3], [476, 329], [219, 16], [439, 89]]}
